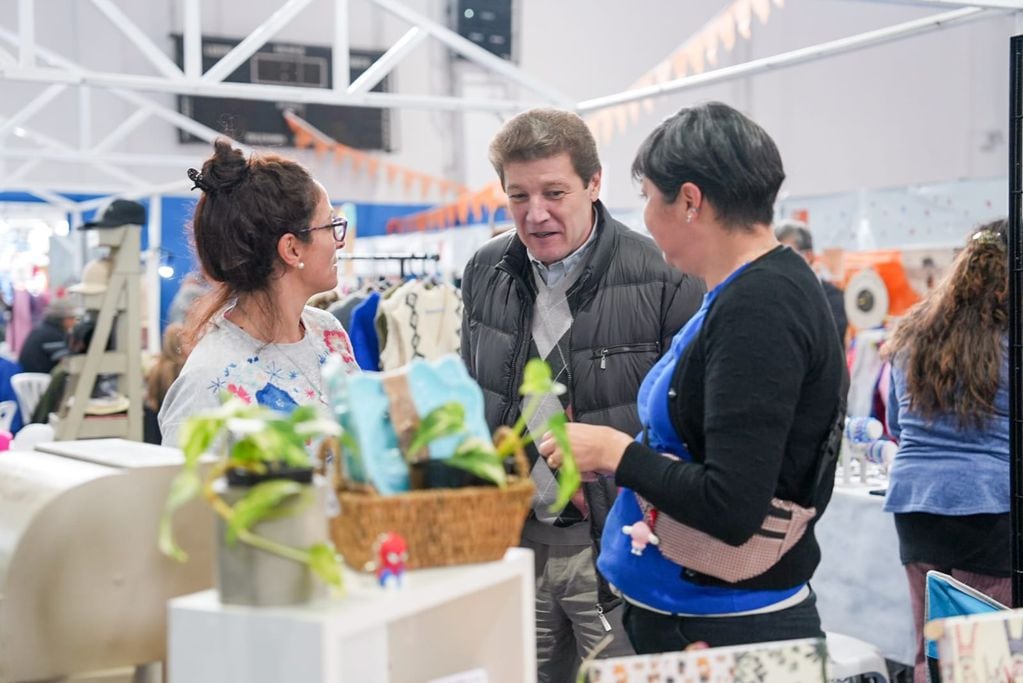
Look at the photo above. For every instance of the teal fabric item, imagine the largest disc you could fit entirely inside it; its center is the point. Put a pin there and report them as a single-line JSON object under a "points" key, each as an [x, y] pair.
{"points": [[947, 597], [365, 415]]}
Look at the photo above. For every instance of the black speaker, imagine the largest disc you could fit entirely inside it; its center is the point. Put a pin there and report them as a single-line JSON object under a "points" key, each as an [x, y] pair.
{"points": [[488, 23]]}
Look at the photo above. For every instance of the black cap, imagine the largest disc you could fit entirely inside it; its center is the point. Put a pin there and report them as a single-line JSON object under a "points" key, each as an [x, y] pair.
{"points": [[119, 212]]}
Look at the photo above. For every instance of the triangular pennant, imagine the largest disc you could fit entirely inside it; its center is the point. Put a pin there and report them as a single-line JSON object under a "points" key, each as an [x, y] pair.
{"points": [[762, 8]]}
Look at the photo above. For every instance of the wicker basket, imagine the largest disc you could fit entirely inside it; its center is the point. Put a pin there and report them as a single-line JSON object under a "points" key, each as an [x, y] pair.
{"points": [[441, 526]]}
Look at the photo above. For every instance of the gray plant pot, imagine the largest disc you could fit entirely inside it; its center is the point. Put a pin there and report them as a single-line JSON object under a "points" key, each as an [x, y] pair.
{"points": [[250, 576]]}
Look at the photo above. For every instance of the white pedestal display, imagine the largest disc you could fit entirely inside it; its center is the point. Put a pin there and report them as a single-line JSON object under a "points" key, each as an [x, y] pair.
{"points": [[442, 622]]}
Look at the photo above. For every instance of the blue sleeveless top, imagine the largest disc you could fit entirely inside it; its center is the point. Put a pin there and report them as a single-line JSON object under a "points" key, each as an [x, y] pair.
{"points": [[651, 580]]}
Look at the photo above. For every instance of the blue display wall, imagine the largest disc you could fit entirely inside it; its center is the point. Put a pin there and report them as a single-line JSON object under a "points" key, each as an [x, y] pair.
{"points": [[177, 213]]}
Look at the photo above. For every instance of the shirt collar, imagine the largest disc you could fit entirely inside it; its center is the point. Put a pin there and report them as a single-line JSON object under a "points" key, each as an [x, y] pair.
{"points": [[556, 271]]}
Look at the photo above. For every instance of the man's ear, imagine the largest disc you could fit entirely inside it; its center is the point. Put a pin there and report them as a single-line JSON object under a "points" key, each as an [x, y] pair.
{"points": [[594, 187]]}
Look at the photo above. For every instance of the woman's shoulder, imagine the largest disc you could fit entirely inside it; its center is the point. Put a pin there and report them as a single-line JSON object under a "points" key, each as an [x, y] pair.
{"points": [[320, 320]]}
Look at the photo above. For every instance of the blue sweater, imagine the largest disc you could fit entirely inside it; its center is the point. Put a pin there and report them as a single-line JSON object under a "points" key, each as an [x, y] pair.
{"points": [[942, 468]]}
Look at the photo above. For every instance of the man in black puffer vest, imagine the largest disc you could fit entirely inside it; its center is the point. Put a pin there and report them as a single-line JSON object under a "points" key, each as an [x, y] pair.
{"points": [[595, 300]]}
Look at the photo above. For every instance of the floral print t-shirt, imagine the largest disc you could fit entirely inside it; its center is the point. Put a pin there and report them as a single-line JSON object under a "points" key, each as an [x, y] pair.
{"points": [[279, 376]]}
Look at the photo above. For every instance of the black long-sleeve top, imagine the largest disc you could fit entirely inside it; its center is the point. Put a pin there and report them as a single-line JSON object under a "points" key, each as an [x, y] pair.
{"points": [[756, 393]]}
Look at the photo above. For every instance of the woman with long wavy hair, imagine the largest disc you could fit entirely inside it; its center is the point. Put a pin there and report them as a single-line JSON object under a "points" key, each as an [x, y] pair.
{"points": [[949, 409]]}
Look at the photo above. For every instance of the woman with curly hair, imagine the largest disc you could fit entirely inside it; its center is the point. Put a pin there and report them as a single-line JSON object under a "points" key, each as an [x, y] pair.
{"points": [[949, 409]]}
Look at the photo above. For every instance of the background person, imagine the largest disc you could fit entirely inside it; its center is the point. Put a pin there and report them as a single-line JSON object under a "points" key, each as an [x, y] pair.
{"points": [[47, 342], [266, 238], [575, 287], [743, 399], [173, 353], [949, 410]]}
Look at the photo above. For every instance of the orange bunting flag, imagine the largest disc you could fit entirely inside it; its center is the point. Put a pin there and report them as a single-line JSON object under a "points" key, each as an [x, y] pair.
{"points": [[358, 158], [462, 206], [425, 183], [372, 166], [408, 178], [340, 152], [392, 173]]}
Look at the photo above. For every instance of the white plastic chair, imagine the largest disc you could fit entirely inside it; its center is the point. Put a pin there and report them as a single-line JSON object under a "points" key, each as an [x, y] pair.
{"points": [[854, 659], [29, 388], [8, 409], [30, 435]]}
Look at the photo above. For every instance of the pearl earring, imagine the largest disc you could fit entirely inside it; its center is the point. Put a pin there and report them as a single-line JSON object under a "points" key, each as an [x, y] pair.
{"points": [[690, 214], [301, 265]]}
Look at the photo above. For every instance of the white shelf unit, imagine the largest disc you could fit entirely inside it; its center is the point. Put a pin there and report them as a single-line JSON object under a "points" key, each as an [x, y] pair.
{"points": [[442, 622]]}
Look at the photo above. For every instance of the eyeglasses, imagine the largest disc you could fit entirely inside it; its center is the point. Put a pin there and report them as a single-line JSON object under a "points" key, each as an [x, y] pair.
{"points": [[338, 224]]}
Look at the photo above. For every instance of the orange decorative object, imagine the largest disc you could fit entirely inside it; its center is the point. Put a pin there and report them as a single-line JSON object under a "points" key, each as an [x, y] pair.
{"points": [[888, 264]]}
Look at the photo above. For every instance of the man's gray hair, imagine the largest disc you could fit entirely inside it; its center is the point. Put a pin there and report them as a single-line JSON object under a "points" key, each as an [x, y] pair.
{"points": [[796, 231]]}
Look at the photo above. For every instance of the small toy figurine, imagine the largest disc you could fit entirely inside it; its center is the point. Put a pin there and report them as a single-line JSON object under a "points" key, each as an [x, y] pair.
{"points": [[641, 535], [391, 554]]}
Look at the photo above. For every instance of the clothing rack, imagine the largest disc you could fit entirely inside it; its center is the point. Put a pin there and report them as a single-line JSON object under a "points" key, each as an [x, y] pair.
{"points": [[402, 259]]}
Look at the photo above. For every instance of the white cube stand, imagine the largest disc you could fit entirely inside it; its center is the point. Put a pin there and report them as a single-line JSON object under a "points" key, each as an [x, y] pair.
{"points": [[443, 622]]}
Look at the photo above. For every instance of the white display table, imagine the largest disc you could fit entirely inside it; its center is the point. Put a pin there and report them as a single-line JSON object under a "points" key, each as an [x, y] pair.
{"points": [[443, 622], [860, 583]]}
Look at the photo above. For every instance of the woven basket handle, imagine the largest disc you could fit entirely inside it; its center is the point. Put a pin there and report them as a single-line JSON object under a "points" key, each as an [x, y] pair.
{"points": [[521, 461]]}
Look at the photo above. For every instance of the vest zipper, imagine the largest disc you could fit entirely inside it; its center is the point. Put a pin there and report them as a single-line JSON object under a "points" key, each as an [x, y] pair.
{"points": [[603, 620]]}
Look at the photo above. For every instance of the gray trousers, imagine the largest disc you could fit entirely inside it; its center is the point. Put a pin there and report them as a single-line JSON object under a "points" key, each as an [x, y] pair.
{"points": [[568, 626]]}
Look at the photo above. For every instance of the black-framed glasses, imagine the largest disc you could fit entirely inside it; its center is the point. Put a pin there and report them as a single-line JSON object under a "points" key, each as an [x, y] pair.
{"points": [[338, 224]]}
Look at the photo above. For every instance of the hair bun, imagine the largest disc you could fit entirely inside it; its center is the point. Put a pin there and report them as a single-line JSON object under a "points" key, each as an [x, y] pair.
{"points": [[226, 169]]}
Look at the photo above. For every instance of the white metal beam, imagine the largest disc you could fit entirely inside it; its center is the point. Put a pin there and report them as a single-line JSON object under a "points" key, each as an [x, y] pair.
{"points": [[30, 109], [474, 52], [192, 39], [178, 119], [137, 193], [133, 33], [787, 59], [17, 174], [50, 143], [340, 54], [84, 117], [255, 91], [51, 197], [948, 4], [387, 61], [88, 156], [255, 40], [26, 33], [123, 130]]}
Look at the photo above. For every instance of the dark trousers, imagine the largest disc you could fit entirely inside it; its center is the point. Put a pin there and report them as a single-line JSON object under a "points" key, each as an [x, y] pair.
{"points": [[652, 632]]}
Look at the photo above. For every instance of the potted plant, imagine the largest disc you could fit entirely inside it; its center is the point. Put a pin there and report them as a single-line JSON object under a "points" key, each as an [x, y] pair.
{"points": [[486, 461], [270, 510]]}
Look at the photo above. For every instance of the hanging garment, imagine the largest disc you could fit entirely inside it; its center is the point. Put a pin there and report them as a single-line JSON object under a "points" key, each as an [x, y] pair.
{"points": [[422, 321]]}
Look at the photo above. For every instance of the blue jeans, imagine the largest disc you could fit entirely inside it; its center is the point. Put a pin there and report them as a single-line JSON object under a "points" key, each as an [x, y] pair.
{"points": [[652, 632]]}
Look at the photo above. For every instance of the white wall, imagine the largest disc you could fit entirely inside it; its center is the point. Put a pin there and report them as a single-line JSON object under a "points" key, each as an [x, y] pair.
{"points": [[926, 109]]}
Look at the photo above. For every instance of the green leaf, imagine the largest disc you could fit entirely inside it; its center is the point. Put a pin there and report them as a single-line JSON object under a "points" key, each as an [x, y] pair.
{"points": [[478, 457], [326, 563], [568, 474], [536, 378], [261, 501], [444, 420], [184, 487]]}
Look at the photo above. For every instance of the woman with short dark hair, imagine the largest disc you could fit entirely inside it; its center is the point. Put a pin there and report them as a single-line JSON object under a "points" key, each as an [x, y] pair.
{"points": [[739, 415], [267, 238], [949, 408]]}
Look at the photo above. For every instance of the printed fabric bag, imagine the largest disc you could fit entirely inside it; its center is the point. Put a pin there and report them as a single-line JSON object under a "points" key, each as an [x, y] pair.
{"points": [[783, 526]]}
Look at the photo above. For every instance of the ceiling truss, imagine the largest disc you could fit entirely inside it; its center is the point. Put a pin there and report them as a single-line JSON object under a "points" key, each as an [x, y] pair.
{"points": [[22, 59]]}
